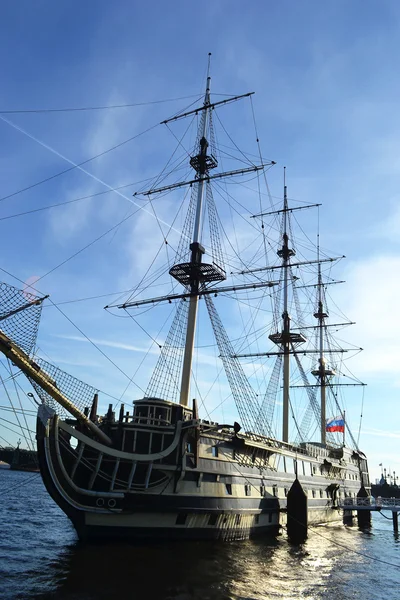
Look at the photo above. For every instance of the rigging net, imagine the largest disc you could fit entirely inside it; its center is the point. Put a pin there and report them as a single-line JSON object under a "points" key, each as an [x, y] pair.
{"points": [[244, 396], [266, 414], [20, 313], [78, 392], [165, 380]]}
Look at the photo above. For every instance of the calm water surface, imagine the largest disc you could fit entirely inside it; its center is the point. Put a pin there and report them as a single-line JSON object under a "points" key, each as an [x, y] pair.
{"points": [[41, 558]]}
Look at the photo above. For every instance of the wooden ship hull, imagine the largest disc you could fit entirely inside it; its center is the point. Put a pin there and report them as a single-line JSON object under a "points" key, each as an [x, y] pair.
{"points": [[169, 476]]}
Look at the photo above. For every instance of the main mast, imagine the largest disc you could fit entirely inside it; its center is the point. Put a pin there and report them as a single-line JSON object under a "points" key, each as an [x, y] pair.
{"points": [[285, 253], [286, 338], [201, 163]]}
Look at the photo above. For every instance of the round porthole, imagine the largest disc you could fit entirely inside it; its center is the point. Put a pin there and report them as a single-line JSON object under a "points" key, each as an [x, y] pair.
{"points": [[100, 501], [112, 503]]}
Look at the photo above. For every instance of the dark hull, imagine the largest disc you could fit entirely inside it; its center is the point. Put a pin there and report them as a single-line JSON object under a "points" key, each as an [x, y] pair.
{"points": [[225, 510], [165, 534], [187, 499]]}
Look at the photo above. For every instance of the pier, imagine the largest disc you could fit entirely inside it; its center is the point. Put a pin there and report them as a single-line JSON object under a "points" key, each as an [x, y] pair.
{"points": [[19, 459], [374, 504]]}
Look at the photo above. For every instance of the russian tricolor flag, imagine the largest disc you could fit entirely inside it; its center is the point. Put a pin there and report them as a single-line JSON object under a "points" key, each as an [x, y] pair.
{"points": [[335, 424]]}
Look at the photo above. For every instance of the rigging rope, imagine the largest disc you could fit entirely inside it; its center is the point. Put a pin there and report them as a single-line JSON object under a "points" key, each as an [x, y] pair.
{"points": [[165, 380], [74, 166], [89, 108], [18, 485], [15, 414], [243, 394], [34, 210], [20, 403], [266, 413]]}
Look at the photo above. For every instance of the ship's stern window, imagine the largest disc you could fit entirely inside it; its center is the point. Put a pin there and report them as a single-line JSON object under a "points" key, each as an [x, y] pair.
{"points": [[247, 490], [228, 489], [214, 451]]}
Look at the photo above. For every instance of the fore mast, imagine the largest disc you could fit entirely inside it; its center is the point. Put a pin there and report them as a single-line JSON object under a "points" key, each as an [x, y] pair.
{"points": [[194, 273], [196, 276]]}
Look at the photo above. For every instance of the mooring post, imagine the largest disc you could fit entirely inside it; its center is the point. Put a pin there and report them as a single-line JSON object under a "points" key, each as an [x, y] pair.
{"points": [[363, 515], [297, 513], [395, 521]]}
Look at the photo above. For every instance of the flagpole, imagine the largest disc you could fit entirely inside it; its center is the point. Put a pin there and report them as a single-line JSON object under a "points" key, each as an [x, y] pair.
{"points": [[344, 428]]}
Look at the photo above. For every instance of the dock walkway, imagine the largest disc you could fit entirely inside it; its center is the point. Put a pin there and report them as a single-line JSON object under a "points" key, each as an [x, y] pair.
{"points": [[374, 504], [370, 503]]}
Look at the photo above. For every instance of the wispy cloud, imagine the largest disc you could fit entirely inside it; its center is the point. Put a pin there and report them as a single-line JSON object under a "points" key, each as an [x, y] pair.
{"points": [[381, 433], [109, 344]]}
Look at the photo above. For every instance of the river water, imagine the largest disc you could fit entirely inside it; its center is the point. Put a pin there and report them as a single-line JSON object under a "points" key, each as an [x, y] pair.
{"points": [[41, 558]]}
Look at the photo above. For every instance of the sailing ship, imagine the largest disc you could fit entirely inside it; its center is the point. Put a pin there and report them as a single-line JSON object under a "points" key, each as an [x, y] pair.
{"points": [[163, 471]]}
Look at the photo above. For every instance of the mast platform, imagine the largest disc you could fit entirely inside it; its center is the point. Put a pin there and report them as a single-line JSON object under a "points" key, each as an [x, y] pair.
{"points": [[282, 337], [185, 273]]}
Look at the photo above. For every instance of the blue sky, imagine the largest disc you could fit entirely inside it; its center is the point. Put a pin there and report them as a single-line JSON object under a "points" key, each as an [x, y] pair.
{"points": [[327, 91]]}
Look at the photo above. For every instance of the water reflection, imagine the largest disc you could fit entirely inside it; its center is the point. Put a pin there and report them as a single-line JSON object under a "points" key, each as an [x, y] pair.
{"points": [[41, 559], [164, 571], [252, 570]]}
